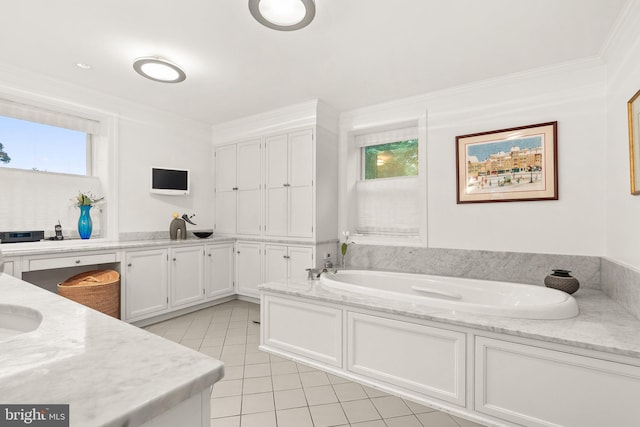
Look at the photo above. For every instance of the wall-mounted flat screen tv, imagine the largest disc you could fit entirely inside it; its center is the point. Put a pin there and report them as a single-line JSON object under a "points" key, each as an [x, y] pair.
{"points": [[171, 182]]}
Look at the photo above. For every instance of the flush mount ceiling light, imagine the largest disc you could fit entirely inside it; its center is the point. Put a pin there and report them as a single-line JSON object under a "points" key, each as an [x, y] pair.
{"points": [[283, 15], [159, 69]]}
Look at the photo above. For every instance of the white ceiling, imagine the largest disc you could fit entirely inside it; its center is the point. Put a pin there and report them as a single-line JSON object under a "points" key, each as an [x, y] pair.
{"points": [[355, 53]]}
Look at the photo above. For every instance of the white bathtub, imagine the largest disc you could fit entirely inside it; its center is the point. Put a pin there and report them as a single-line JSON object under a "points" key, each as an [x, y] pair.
{"points": [[457, 294]]}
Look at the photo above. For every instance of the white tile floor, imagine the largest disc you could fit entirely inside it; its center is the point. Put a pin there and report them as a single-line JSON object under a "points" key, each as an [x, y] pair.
{"points": [[261, 390]]}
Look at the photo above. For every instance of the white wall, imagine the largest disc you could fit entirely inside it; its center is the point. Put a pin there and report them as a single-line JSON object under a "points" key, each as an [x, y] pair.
{"points": [[623, 81], [574, 95], [144, 137]]}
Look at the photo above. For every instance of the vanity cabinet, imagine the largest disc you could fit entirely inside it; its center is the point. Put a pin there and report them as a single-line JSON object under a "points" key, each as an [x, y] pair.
{"points": [[289, 184], [146, 283], [284, 262], [238, 189], [219, 270], [186, 268], [249, 268]]}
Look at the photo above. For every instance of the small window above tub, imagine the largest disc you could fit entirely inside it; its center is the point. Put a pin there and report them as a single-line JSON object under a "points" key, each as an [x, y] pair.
{"points": [[390, 160], [387, 200]]}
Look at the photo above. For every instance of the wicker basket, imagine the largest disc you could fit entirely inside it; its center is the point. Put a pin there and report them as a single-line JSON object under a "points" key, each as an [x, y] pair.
{"points": [[97, 289]]}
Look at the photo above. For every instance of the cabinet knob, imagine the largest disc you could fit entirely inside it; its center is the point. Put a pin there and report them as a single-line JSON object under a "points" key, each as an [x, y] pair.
{"points": [[238, 252], [129, 265], [174, 259], [77, 261], [235, 188], [286, 185], [209, 254]]}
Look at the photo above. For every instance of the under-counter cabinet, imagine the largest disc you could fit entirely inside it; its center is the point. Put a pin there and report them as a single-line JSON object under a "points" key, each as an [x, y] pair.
{"points": [[219, 271], [146, 283], [284, 262], [289, 171], [238, 189], [186, 275], [249, 268]]}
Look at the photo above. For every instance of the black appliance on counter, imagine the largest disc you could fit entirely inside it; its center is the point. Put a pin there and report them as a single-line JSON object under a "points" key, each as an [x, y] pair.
{"points": [[21, 236]]}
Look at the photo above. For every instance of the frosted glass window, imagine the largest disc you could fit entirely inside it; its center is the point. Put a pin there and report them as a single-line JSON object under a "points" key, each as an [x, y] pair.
{"points": [[40, 147]]}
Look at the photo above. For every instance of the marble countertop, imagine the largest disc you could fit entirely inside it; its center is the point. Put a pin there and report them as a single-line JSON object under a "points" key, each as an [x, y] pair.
{"points": [[602, 324], [109, 372], [56, 247]]}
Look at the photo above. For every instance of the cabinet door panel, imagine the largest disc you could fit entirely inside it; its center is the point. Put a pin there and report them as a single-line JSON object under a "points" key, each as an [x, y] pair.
{"points": [[248, 268], [435, 365], [308, 330], [300, 212], [187, 275], [276, 263], [219, 270], [276, 161], [276, 211], [301, 158], [300, 258], [248, 212], [249, 165], [540, 387], [225, 212], [147, 282], [226, 168]]}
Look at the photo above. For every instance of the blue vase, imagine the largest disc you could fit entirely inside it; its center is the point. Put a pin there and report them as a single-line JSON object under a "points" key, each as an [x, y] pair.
{"points": [[85, 226]]}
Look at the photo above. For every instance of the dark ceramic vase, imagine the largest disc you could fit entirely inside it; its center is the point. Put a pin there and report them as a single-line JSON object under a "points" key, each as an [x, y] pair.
{"points": [[562, 280]]}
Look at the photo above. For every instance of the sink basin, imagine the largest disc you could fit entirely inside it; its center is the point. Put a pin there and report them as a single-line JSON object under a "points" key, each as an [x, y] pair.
{"points": [[16, 320]]}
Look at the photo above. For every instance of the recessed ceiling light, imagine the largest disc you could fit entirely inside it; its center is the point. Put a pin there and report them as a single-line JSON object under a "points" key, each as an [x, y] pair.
{"points": [[83, 66], [159, 69], [283, 15]]}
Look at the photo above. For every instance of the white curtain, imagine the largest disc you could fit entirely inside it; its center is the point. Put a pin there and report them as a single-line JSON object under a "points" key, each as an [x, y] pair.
{"points": [[388, 206], [48, 117]]}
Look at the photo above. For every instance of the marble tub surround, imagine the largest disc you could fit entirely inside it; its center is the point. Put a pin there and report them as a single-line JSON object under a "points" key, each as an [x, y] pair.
{"points": [[622, 284], [109, 372], [602, 324], [528, 268]]}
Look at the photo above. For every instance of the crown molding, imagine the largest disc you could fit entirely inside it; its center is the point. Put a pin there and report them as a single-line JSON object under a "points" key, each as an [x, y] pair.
{"points": [[541, 85]]}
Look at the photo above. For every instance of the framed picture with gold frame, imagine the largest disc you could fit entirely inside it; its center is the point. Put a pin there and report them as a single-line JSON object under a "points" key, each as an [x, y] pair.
{"points": [[633, 107], [508, 165]]}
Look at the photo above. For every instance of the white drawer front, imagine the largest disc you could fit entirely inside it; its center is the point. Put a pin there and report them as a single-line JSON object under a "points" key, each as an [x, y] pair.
{"points": [[71, 261], [304, 329], [540, 387], [417, 357]]}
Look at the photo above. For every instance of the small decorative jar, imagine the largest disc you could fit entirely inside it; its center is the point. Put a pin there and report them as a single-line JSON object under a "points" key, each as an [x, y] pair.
{"points": [[562, 280]]}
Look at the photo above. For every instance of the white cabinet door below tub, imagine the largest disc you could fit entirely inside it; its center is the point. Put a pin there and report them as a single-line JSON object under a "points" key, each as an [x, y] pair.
{"points": [[308, 330], [421, 358], [534, 386]]}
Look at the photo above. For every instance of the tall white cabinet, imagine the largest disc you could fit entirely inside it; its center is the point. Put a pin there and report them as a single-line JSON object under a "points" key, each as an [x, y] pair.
{"points": [[289, 183], [238, 200], [288, 160]]}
